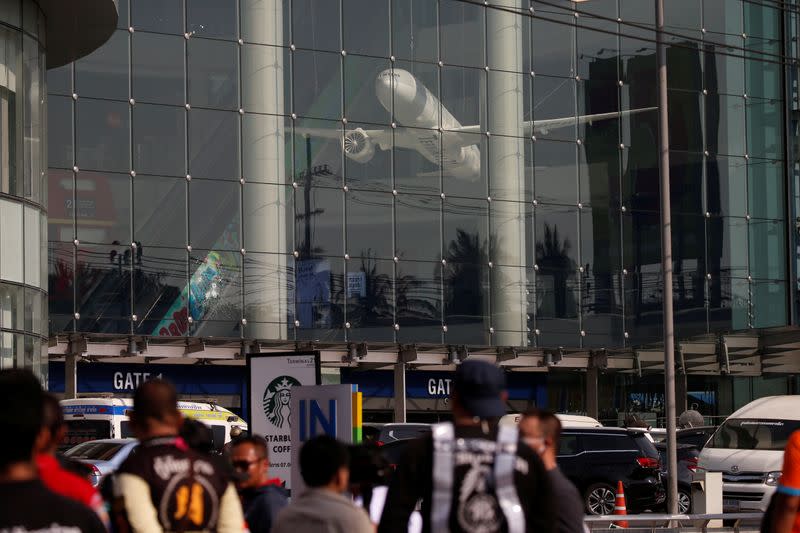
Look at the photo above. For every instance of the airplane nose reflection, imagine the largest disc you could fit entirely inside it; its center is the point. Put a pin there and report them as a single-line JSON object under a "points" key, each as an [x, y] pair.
{"points": [[399, 81]]}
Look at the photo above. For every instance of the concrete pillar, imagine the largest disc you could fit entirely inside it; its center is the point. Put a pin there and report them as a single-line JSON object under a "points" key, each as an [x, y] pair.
{"points": [[71, 376], [592, 392], [400, 392], [263, 143], [506, 159], [681, 392]]}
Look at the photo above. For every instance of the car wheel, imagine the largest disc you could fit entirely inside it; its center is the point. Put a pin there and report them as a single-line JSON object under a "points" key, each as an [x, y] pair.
{"points": [[684, 502], [600, 499]]}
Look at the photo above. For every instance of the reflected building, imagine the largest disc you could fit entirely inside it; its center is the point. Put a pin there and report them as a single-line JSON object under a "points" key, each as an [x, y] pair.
{"points": [[439, 173]]}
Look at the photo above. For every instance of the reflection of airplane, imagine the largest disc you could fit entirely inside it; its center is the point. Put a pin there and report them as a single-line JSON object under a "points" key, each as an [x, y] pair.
{"points": [[451, 146]]}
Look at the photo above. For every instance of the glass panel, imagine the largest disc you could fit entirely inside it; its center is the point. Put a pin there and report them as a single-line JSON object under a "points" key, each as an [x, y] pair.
{"points": [[157, 68], [461, 33], [60, 285], [268, 210], [685, 131], [263, 69], [159, 203], [553, 42], [12, 307], [319, 298], [726, 186], [34, 118], [266, 294], [162, 16], [724, 73], [315, 25], [366, 27], [266, 142], [211, 18], [11, 239], [33, 233], [214, 144], [765, 189], [321, 95], [34, 319], [361, 80], [686, 183], [725, 124], [554, 98], [269, 22], [417, 227], [214, 215], [159, 138], [369, 296], [104, 73], [216, 293], [160, 297], [103, 130], [767, 249], [103, 288], [59, 80], [418, 296], [414, 30], [769, 304], [376, 171], [369, 225], [103, 208], [213, 73], [59, 137], [319, 222], [727, 247], [555, 175], [764, 133]]}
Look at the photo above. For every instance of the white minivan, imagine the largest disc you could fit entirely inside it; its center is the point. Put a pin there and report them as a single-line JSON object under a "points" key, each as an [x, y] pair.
{"points": [[748, 449], [107, 418]]}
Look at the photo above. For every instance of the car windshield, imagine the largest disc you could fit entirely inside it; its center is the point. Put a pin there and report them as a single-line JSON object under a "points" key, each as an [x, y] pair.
{"points": [[753, 434], [98, 451]]}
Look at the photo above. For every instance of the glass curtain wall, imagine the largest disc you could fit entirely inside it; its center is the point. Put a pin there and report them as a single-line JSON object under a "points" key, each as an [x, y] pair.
{"points": [[418, 171], [23, 199]]}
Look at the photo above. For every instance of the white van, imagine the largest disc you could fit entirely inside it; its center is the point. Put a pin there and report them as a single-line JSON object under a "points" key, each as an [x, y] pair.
{"points": [[567, 421], [107, 418], [748, 449]]}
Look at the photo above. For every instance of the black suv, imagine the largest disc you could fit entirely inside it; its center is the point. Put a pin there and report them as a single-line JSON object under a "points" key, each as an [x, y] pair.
{"points": [[594, 459]]}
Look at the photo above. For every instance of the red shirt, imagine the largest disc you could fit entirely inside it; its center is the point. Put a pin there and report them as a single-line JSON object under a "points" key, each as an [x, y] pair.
{"points": [[68, 484]]}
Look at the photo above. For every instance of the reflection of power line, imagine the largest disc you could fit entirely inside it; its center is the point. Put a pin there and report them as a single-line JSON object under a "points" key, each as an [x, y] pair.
{"points": [[309, 175]]}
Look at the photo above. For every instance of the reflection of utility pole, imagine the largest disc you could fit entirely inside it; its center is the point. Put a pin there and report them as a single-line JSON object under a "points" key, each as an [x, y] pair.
{"points": [[309, 174]]}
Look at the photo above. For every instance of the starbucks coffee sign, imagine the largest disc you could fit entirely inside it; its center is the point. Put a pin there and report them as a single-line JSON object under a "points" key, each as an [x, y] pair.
{"points": [[271, 379]]}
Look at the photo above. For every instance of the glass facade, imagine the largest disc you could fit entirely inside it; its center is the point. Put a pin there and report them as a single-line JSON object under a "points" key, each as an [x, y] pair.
{"points": [[431, 171], [23, 188]]}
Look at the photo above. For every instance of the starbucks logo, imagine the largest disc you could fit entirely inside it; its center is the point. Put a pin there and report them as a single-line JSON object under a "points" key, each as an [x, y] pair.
{"points": [[276, 400]]}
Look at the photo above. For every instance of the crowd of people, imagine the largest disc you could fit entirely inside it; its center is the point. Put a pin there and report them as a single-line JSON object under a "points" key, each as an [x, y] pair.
{"points": [[472, 475]]}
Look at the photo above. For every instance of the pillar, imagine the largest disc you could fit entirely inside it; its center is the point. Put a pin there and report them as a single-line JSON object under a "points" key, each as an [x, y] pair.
{"points": [[263, 153], [506, 160], [70, 376], [400, 392], [592, 392]]}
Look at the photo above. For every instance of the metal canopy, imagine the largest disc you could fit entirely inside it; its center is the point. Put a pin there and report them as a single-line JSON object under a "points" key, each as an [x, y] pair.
{"points": [[751, 353]]}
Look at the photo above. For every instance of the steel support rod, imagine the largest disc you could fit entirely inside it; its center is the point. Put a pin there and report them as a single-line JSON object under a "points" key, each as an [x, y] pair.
{"points": [[666, 262]]}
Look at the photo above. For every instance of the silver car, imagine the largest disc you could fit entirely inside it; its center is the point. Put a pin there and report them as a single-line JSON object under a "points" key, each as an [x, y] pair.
{"points": [[103, 456]]}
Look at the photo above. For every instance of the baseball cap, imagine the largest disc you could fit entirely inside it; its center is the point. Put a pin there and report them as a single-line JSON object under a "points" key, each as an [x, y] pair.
{"points": [[479, 385]]}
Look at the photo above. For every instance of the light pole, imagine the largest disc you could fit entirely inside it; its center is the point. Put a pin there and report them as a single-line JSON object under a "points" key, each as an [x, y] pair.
{"points": [[666, 262]]}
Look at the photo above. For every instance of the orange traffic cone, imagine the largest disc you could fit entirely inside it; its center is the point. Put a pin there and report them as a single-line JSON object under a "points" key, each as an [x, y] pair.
{"points": [[619, 506]]}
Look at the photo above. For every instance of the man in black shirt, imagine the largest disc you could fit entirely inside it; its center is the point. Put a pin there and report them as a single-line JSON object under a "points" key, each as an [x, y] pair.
{"points": [[541, 430], [472, 476], [25, 503], [165, 485]]}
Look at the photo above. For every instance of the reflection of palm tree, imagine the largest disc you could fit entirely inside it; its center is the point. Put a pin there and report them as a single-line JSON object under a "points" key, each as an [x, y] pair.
{"points": [[466, 256], [375, 307], [553, 259]]}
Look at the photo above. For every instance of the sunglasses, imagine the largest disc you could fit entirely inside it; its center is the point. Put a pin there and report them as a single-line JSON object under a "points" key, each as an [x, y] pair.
{"points": [[244, 465]]}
